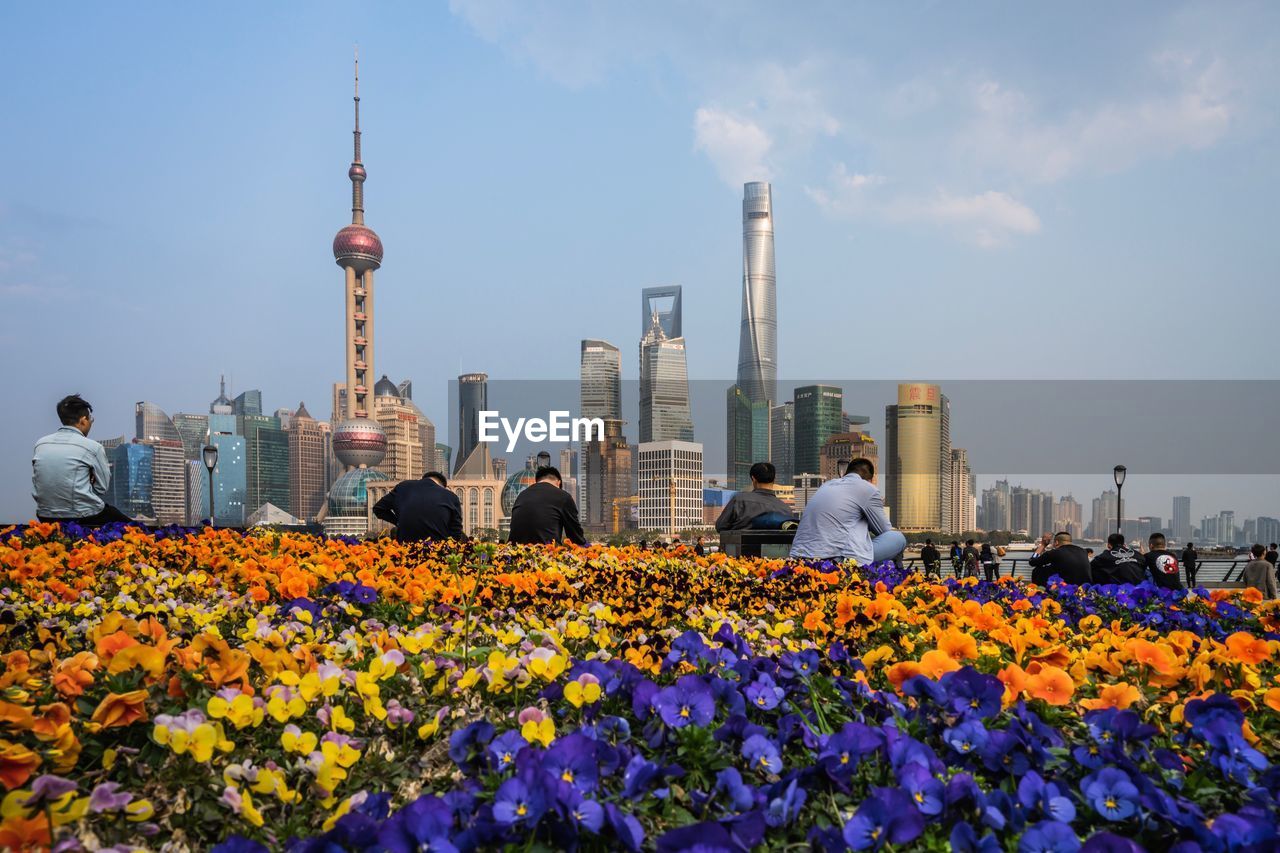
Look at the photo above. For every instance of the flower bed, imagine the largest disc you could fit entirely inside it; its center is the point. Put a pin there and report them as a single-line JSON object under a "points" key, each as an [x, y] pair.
{"points": [[294, 693]]}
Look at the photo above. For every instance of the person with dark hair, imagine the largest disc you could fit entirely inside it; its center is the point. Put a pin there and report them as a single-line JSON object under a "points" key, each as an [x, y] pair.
{"points": [[1065, 560], [699, 547], [69, 472], [845, 518], [1162, 564], [758, 509], [1271, 555], [545, 513], [1118, 564], [990, 566], [969, 559], [422, 509], [957, 558], [931, 558], [1189, 560], [1260, 574]]}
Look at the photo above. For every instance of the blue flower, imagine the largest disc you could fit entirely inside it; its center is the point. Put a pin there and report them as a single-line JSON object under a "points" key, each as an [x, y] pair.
{"points": [[423, 824], [1111, 793], [967, 737], [239, 844], [706, 837], [970, 692], [1050, 798], [885, 817], [463, 742], [688, 701], [1049, 836], [1109, 842], [783, 809], [572, 759], [741, 795], [520, 801], [626, 827], [764, 693], [927, 791], [505, 747], [762, 754], [964, 839]]}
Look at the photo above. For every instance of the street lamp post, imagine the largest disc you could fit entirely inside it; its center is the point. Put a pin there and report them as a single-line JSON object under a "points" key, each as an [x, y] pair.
{"points": [[1119, 471], [210, 453]]}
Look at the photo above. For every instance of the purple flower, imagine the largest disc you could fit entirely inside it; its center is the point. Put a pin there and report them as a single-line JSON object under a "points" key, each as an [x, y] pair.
{"points": [[688, 701], [1049, 836], [1049, 798], [705, 837], [585, 813], [520, 801], [105, 798], [783, 809], [964, 839], [1111, 793], [762, 754], [505, 747], [238, 844], [572, 759], [966, 738], [46, 789], [972, 693], [423, 824], [926, 790], [1109, 842], [885, 817], [626, 827], [764, 693]]}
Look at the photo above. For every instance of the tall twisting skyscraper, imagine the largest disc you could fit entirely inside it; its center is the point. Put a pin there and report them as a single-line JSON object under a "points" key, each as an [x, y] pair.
{"points": [[359, 442], [758, 345]]}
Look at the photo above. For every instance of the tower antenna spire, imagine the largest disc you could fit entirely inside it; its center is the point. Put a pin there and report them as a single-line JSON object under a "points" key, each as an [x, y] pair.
{"points": [[357, 172]]}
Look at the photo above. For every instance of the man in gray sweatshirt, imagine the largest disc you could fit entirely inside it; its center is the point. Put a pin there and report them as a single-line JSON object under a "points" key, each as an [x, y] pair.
{"points": [[749, 510], [1259, 573]]}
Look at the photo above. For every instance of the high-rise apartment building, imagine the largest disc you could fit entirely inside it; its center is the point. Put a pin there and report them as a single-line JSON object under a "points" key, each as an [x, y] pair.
{"points": [[606, 478], [1103, 521], [782, 440], [1069, 516], [1180, 522], [1227, 527], [803, 487], [473, 398], [308, 481], [1266, 529], [168, 467], [844, 447], [131, 479], [818, 416], [994, 513], [917, 461], [758, 342], [670, 478], [664, 387], [964, 487]]}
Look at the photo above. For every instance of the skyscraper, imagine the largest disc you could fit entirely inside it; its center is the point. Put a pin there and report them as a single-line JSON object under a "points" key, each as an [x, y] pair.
{"points": [[194, 430], [600, 380], [653, 302], [473, 398], [606, 477], [758, 343], [131, 479], [748, 430], [664, 387], [670, 477], [782, 440], [230, 475], [1181, 520], [1103, 515], [307, 478], [964, 508], [266, 462], [818, 417], [168, 467], [917, 462], [359, 442], [1069, 516], [222, 404], [247, 403], [842, 448], [995, 507], [402, 421]]}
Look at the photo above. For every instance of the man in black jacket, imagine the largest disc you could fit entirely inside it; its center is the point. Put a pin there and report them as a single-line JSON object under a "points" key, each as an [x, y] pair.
{"points": [[931, 558], [1118, 564], [1189, 560], [1064, 559], [422, 509], [545, 513], [746, 510], [1162, 563]]}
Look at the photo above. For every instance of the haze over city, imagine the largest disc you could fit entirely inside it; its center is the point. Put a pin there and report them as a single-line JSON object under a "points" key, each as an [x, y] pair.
{"points": [[958, 196]]}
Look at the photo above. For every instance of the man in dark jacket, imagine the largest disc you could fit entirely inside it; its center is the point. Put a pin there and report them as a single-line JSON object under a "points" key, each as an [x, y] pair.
{"points": [[545, 513], [931, 558], [1118, 564], [1189, 560], [744, 508], [422, 509], [1162, 564], [1064, 559]]}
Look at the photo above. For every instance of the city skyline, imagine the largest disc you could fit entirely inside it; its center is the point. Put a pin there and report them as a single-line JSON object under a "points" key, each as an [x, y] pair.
{"points": [[63, 258]]}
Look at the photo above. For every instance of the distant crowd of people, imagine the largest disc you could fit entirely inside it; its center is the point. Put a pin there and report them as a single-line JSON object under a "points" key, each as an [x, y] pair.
{"points": [[844, 519]]}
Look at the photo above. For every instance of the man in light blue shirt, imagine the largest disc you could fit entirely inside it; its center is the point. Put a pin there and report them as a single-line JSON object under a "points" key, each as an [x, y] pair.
{"points": [[845, 520], [69, 472]]}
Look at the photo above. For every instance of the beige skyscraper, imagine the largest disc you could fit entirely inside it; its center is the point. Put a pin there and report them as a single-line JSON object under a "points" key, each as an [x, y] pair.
{"points": [[308, 460], [964, 504], [606, 473], [841, 449], [401, 420], [917, 460], [169, 466]]}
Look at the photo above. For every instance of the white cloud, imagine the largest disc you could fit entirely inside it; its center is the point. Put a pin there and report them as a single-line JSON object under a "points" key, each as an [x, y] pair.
{"points": [[737, 147]]}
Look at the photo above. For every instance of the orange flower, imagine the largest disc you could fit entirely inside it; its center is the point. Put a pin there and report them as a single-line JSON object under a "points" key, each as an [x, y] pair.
{"points": [[119, 709], [52, 718], [900, 672], [1147, 653], [75, 674], [1246, 648], [813, 622], [1119, 695], [1272, 698], [1015, 681], [1051, 684], [17, 763], [16, 716], [936, 663], [958, 645], [23, 833]]}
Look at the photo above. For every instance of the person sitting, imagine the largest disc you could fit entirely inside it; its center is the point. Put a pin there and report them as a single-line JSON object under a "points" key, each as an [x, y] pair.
{"points": [[1162, 564], [845, 519], [422, 509], [1064, 560], [1118, 564], [545, 513], [931, 558], [758, 509], [69, 472], [1259, 574]]}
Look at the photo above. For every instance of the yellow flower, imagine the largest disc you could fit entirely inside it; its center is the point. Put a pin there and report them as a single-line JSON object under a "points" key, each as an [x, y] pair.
{"points": [[339, 721], [140, 810], [546, 664], [294, 739], [579, 694], [543, 732]]}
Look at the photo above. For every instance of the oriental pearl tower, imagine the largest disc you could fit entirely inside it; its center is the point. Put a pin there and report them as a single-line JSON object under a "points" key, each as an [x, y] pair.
{"points": [[359, 442]]}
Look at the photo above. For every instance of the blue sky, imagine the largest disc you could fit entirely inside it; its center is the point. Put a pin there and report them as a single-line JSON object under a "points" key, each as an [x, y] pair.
{"points": [[961, 191]]}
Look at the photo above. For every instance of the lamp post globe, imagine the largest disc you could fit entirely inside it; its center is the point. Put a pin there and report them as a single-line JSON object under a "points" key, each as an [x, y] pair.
{"points": [[1119, 473], [210, 454]]}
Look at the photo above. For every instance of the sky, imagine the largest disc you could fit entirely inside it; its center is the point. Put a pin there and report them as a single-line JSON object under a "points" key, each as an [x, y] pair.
{"points": [[961, 191]]}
